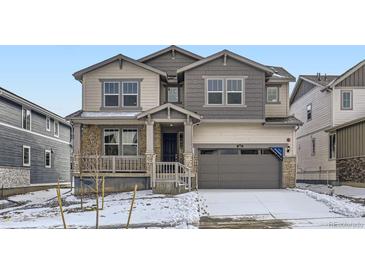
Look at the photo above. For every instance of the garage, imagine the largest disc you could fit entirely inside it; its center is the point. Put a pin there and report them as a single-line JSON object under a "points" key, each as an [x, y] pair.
{"points": [[239, 168]]}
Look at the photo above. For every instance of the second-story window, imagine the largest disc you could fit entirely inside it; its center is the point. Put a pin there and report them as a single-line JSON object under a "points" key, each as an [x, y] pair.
{"points": [[234, 91], [172, 94], [346, 99], [111, 94], [309, 112], [26, 119], [272, 95], [48, 124], [130, 94], [56, 131], [215, 92]]}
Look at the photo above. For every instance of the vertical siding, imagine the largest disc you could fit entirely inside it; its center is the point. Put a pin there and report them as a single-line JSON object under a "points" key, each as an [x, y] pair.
{"points": [[282, 109], [92, 87], [254, 89], [358, 111], [351, 141], [356, 79], [170, 65]]}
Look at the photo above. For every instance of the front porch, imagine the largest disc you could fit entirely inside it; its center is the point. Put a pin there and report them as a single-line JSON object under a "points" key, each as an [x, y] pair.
{"points": [[156, 147]]}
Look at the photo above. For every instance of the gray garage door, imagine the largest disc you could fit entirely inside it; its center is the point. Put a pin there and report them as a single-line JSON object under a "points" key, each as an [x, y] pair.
{"points": [[238, 168]]}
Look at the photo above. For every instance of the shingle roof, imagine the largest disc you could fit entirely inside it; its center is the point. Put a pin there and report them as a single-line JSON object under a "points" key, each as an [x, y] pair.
{"points": [[323, 80], [290, 120], [173, 47], [281, 73]]}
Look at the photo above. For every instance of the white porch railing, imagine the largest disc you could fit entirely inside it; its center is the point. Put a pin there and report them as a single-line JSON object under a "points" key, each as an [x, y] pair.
{"points": [[172, 172], [109, 164]]}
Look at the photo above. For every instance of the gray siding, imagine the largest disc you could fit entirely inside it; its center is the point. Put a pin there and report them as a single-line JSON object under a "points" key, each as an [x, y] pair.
{"points": [[351, 141], [167, 63], [254, 89], [11, 154], [303, 89], [356, 79], [10, 112]]}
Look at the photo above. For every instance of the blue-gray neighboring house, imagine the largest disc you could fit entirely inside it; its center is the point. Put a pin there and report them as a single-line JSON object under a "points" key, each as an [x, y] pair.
{"points": [[35, 144]]}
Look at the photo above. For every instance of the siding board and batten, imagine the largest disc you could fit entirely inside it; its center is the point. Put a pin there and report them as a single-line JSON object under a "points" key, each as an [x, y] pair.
{"points": [[351, 141]]}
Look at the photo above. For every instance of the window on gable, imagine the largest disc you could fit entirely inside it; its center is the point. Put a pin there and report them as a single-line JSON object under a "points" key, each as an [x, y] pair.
{"points": [[215, 91], [272, 95], [111, 94], [332, 146], [111, 141], [313, 143], [130, 94], [26, 155], [234, 91], [172, 94], [130, 142], [26, 119], [47, 159], [48, 124], [346, 99], [56, 129], [309, 112]]}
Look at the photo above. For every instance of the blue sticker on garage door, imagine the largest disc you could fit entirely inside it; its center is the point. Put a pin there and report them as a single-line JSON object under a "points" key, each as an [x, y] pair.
{"points": [[278, 151]]}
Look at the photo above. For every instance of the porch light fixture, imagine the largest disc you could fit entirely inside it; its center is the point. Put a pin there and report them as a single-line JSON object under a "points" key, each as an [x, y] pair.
{"points": [[171, 125]]}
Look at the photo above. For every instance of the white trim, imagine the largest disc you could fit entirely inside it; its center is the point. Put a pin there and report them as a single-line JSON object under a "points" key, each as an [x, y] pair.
{"points": [[118, 140], [130, 94], [54, 128], [129, 144], [311, 112], [330, 148], [277, 94], [30, 118], [28, 164], [216, 91], [243, 99], [351, 99], [35, 133], [117, 94], [48, 119], [50, 158]]}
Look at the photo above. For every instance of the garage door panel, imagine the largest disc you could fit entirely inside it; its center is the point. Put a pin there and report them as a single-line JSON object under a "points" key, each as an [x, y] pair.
{"points": [[225, 169]]}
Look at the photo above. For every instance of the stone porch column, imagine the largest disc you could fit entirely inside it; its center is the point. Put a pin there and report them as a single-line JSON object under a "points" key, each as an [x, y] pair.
{"points": [[188, 144], [289, 172]]}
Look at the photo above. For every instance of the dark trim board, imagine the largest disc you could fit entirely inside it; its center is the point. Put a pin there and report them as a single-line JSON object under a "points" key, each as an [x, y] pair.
{"points": [[318, 182]]}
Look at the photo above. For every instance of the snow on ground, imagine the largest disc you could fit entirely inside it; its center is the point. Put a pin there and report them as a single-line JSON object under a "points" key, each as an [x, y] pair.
{"points": [[347, 191], [40, 210]]}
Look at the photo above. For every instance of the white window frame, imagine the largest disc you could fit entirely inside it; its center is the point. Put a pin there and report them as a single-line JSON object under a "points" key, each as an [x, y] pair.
{"points": [[276, 92], [45, 158], [311, 111], [215, 91], [117, 94], [129, 94], [30, 118], [118, 140], [56, 125], [48, 123], [351, 99], [27, 164], [330, 148], [128, 144], [167, 94], [231, 91]]}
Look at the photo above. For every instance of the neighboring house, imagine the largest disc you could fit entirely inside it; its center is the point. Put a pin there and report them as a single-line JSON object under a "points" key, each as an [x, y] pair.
{"points": [[324, 102], [35, 146], [173, 117]]}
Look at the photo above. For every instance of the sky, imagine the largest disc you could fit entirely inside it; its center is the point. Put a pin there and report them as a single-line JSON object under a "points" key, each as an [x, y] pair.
{"points": [[43, 74]]}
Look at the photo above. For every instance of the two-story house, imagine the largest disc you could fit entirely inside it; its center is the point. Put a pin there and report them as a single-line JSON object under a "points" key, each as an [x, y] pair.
{"points": [[326, 103], [35, 145], [173, 118]]}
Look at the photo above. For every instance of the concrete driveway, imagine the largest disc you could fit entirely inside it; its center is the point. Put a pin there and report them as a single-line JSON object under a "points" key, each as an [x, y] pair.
{"points": [[268, 208]]}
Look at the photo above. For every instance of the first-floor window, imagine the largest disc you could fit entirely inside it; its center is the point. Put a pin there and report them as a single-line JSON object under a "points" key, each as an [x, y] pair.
{"points": [[234, 91], [313, 140], [130, 142], [111, 141], [215, 92], [47, 159], [332, 146], [26, 155]]}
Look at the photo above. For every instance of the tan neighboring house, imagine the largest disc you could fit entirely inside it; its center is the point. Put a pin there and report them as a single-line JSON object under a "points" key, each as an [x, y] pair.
{"points": [[330, 105], [173, 121]]}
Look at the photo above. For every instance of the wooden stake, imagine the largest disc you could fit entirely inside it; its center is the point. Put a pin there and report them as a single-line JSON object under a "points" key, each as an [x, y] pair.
{"points": [[130, 211], [60, 204], [97, 202], [102, 192], [82, 194]]}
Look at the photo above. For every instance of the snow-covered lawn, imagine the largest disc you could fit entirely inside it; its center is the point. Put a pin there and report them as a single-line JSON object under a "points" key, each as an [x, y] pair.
{"points": [[345, 191], [40, 210]]}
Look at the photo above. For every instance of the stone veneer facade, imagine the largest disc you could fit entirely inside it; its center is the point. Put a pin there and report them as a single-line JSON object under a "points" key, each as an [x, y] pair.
{"points": [[14, 177], [351, 170], [289, 172]]}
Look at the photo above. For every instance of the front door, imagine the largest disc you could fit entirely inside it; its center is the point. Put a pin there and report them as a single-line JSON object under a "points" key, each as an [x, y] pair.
{"points": [[169, 147]]}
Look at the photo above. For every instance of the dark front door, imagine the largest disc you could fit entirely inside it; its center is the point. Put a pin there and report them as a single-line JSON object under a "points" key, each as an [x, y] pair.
{"points": [[169, 147]]}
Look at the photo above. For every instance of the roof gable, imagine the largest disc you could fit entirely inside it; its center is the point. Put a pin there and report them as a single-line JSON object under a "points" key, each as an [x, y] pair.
{"points": [[302, 87], [120, 58], [172, 49], [225, 54], [352, 77]]}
